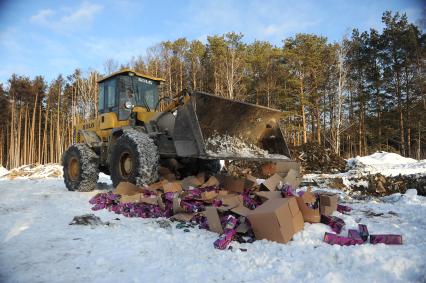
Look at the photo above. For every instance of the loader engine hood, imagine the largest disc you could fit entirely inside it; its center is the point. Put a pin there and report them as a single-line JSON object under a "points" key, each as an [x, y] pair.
{"points": [[213, 127]]}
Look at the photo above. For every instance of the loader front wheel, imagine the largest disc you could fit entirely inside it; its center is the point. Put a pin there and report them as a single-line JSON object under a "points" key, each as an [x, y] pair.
{"points": [[134, 159], [80, 165]]}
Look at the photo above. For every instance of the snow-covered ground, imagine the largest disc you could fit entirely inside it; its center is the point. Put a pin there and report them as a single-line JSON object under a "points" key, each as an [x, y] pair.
{"points": [[39, 245], [387, 164]]}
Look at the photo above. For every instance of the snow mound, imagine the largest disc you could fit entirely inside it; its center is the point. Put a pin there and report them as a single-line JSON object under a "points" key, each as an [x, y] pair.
{"points": [[3, 171], [35, 171], [383, 157], [387, 164]]}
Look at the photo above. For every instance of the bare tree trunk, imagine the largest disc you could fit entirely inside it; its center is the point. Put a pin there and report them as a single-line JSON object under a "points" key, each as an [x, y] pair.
{"points": [[302, 106]]}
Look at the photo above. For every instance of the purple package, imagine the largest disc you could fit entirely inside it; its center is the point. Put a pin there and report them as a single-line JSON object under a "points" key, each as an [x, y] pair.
{"points": [[334, 239], [343, 208], [223, 241], [230, 223], [230, 230], [354, 234], [363, 231], [217, 203], [386, 239], [192, 206], [288, 191], [334, 222], [249, 202]]}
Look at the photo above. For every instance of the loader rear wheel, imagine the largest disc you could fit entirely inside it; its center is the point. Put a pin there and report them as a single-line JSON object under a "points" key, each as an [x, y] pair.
{"points": [[81, 170], [134, 159]]}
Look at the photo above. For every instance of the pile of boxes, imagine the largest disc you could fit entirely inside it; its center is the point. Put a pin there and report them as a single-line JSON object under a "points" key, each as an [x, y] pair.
{"points": [[263, 209]]}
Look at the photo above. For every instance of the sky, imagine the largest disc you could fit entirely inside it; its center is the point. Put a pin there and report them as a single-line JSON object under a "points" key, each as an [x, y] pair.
{"points": [[54, 37]]}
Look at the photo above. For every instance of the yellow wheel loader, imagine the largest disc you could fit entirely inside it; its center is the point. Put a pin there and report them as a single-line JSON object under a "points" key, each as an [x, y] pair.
{"points": [[130, 137]]}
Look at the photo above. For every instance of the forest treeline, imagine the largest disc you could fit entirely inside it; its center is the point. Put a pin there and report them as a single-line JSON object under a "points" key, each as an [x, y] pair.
{"points": [[362, 94]]}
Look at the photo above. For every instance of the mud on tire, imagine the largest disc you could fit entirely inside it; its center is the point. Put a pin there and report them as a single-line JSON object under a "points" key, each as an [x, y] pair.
{"points": [[80, 165], [134, 159]]}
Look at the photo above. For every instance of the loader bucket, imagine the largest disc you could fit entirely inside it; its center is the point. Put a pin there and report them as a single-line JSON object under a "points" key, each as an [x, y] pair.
{"points": [[213, 127]]}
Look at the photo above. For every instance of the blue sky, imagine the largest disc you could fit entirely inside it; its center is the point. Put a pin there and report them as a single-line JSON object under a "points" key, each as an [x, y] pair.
{"points": [[52, 37]]}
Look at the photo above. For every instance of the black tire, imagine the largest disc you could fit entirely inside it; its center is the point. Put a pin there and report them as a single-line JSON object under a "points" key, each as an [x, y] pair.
{"points": [[134, 159], [81, 168]]}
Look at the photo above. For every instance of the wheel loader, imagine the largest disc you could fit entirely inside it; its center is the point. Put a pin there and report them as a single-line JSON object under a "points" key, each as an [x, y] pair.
{"points": [[130, 137]]}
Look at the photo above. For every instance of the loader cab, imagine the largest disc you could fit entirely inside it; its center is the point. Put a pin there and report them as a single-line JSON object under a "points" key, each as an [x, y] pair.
{"points": [[122, 91]]}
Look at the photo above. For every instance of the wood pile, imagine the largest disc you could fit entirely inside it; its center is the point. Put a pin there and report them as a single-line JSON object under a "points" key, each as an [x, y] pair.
{"points": [[317, 159]]}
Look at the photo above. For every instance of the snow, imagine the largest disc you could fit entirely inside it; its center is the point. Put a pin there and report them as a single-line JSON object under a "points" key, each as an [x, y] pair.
{"points": [[225, 146], [3, 171], [38, 245], [388, 164]]}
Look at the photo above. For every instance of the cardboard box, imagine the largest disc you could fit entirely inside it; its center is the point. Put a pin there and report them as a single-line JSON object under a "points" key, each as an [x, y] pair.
{"points": [[272, 182], [238, 185], [265, 195], [328, 203], [128, 189], [276, 220]]}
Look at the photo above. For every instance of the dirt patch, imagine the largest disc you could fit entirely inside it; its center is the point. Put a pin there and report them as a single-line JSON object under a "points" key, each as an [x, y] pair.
{"points": [[88, 220]]}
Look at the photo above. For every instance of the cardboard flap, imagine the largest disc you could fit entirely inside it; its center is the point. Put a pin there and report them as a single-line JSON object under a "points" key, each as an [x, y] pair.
{"points": [[160, 202], [208, 195], [272, 182], [241, 210], [211, 182], [309, 214], [309, 197], [173, 187], [190, 181], [183, 216], [293, 178], [294, 207], [176, 205], [265, 195], [238, 185], [213, 220], [149, 200], [132, 198], [128, 189], [231, 201], [158, 185]]}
